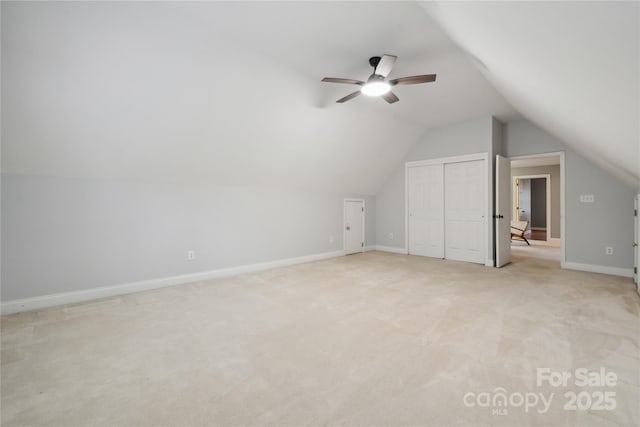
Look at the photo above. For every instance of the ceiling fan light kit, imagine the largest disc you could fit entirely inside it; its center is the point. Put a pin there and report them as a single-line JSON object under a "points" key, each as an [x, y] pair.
{"points": [[377, 84]]}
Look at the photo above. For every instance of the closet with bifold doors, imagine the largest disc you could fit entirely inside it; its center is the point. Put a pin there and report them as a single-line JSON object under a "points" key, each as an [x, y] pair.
{"points": [[447, 208]]}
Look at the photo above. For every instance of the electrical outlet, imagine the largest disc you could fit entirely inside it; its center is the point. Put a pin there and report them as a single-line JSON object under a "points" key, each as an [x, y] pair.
{"points": [[191, 255], [608, 250], [390, 236]]}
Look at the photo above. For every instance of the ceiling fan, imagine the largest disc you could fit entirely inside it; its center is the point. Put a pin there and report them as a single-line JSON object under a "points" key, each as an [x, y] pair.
{"points": [[376, 84]]}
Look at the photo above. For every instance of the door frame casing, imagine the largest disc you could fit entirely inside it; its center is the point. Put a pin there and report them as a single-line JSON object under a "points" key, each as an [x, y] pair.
{"points": [[561, 154], [344, 222], [454, 159], [547, 177]]}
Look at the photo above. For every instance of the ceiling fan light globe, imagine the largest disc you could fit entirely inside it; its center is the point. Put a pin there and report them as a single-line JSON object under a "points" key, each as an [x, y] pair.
{"points": [[375, 88]]}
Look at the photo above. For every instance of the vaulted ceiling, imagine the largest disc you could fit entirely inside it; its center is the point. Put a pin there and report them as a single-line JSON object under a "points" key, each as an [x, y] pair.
{"points": [[230, 93], [571, 67]]}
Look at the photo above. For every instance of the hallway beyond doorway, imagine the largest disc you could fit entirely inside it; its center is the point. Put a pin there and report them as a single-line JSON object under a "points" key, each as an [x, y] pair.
{"points": [[539, 234], [541, 249]]}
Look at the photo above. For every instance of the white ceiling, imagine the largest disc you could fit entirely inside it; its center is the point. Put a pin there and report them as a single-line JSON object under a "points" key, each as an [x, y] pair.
{"points": [[571, 67], [230, 93], [223, 92]]}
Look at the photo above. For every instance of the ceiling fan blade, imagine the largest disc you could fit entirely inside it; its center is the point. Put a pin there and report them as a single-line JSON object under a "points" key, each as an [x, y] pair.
{"points": [[413, 80], [390, 97], [348, 97], [385, 65], [339, 80]]}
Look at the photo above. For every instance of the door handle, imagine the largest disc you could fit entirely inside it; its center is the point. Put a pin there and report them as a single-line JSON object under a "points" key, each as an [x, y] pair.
{"points": [[347, 228], [635, 244]]}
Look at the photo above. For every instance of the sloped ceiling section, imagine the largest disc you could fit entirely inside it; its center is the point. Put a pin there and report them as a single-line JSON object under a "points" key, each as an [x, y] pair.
{"points": [[224, 92], [572, 67]]}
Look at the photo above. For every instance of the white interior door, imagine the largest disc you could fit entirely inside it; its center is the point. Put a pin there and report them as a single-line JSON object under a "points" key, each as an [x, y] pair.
{"points": [[464, 201], [353, 226], [503, 208], [426, 210]]}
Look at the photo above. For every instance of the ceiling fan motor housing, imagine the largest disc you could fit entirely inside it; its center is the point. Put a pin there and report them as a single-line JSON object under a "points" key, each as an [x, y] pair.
{"points": [[374, 61], [375, 77]]}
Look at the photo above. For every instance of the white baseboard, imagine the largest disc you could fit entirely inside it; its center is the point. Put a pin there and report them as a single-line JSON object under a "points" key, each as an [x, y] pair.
{"points": [[369, 248], [28, 304], [391, 249], [614, 271]]}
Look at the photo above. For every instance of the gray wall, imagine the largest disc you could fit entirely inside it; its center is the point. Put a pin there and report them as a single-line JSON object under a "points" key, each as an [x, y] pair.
{"points": [[469, 137], [63, 234], [554, 171], [590, 227], [390, 211]]}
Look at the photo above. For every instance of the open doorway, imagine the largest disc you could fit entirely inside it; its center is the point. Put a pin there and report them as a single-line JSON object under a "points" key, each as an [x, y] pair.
{"points": [[532, 204], [537, 207]]}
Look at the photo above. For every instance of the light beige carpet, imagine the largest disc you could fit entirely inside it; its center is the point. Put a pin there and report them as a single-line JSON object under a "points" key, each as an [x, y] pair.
{"points": [[370, 339]]}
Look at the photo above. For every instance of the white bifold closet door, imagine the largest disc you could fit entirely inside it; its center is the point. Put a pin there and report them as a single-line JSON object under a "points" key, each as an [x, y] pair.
{"points": [[426, 213], [464, 206]]}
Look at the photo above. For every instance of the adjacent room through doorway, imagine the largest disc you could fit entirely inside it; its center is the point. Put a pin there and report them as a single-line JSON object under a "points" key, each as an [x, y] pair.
{"points": [[536, 226], [531, 205]]}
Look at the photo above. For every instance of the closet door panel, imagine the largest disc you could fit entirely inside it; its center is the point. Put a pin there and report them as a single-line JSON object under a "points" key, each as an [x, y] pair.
{"points": [[426, 210], [464, 208]]}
